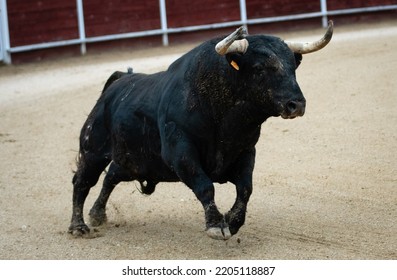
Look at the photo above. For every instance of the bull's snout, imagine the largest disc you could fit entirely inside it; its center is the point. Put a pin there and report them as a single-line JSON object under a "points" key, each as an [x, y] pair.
{"points": [[293, 109]]}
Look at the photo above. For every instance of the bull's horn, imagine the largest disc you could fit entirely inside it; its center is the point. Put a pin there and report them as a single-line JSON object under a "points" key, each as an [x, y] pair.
{"points": [[231, 44], [239, 46], [303, 48]]}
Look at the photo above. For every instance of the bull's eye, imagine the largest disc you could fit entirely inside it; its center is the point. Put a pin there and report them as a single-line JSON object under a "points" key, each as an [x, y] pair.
{"points": [[258, 67], [266, 67], [272, 68], [265, 70]]}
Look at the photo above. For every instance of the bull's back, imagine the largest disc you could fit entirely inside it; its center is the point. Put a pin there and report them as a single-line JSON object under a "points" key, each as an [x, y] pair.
{"points": [[132, 96]]}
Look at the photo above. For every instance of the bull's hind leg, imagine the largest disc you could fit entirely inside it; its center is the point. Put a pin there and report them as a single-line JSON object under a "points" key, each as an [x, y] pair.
{"points": [[114, 176], [89, 169]]}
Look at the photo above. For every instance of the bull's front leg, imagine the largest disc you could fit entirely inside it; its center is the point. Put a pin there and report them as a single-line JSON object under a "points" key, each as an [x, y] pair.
{"points": [[241, 176], [235, 218], [203, 188], [182, 157]]}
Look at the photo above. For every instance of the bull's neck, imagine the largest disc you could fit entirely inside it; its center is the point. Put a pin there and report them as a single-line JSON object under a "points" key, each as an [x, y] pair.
{"points": [[224, 92]]}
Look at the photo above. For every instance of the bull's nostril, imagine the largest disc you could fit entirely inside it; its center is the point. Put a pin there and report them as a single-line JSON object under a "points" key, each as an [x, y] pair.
{"points": [[292, 106]]}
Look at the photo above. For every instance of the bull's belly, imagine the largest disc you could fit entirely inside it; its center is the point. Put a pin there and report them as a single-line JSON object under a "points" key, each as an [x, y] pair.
{"points": [[150, 168]]}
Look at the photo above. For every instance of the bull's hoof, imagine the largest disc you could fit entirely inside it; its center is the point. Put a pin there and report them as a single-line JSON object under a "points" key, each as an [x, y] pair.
{"points": [[97, 221], [219, 233], [79, 230], [97, 218]]}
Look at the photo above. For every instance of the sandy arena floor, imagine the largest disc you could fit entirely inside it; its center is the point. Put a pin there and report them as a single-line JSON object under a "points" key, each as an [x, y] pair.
{"points": [[325, 185]]}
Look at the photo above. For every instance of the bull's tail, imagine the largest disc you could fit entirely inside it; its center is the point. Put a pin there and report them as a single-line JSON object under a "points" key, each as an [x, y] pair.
{"points": [[115, 76]]}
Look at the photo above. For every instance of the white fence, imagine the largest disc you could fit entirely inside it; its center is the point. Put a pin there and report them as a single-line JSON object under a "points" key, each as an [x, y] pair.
{"points": [[4, 37], [6, 50]]}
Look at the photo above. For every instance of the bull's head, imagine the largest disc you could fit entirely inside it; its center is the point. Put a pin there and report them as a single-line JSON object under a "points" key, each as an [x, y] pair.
{"points": [[268, 66]]}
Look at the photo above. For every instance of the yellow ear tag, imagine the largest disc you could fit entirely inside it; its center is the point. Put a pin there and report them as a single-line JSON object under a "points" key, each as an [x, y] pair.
{"points": [[234, 65]]}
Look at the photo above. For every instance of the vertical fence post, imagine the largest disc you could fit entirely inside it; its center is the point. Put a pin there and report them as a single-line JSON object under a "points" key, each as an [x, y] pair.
{"points": [[324, 12], [4, 33], [80, 21], [243, 13], [163, 20], [1, 37]]}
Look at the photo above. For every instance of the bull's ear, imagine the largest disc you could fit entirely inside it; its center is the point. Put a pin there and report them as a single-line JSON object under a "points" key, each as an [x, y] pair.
{"points": [[298, 59], [234, 60]]}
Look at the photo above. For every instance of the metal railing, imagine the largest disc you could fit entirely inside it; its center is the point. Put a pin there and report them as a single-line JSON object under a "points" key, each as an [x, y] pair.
{"points": [[6, 50]]}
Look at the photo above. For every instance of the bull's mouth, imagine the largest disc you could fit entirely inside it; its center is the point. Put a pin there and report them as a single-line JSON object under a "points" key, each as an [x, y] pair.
{"points": [[285, 116]]}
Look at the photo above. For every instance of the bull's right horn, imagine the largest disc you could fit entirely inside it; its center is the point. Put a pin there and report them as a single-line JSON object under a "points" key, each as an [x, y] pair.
{"points": [[230, 44], [303, 48]]}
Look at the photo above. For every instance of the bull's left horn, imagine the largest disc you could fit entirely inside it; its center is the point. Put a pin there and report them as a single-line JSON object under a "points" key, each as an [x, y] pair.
{"points": [[231, 44], [303, 48]]}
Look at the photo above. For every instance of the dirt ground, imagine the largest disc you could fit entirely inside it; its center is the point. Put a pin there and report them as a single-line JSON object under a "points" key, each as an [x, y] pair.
{"points": [[325, 185]]}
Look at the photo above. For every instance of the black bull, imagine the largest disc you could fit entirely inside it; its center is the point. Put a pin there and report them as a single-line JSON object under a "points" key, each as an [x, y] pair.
{"points": [[197, 122]]}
